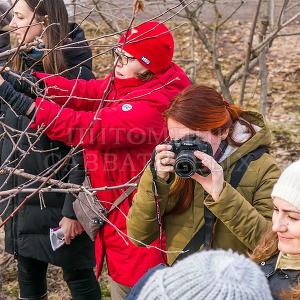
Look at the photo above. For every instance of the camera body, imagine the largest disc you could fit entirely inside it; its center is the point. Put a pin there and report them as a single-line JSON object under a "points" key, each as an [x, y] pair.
{"points": [[186, 164]]}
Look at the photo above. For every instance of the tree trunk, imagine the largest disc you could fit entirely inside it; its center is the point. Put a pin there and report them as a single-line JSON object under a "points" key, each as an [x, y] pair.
{"points": [[265, 16]]}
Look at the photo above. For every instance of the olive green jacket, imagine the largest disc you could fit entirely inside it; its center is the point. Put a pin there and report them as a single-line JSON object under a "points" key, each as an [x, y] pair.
{"points": [[243, 214]]}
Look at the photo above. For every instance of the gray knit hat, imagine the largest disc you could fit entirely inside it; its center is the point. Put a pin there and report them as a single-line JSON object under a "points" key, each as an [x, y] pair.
{"points": [[288, 185], [208, 275]]}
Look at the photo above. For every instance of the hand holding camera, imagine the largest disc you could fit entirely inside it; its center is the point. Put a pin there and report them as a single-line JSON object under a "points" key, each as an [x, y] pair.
{"points": [[213, 183], [190, 157], [178, 156], [186, 163], [164, 161]]}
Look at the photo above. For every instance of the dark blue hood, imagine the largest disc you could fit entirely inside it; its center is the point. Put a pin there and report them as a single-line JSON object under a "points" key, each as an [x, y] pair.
{"points": [[79, 53]]}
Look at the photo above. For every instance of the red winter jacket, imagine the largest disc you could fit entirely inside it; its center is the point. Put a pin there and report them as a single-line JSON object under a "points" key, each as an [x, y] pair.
{"points": [[116, 148]]}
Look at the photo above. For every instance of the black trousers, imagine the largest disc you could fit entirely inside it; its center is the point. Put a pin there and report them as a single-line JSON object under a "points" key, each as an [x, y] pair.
{"points": [[32, 277]]}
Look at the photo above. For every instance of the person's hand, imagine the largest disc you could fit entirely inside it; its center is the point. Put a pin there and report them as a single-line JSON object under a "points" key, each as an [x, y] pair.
{"points": [[71, 229], [213, 183], [164, 161], [22, 81], [1, 79], [6, 69]]}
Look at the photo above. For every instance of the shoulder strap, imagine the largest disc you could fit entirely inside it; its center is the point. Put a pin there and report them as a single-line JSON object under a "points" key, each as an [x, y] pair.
{"points": [[120, 199], [242, 164], [205, 234]]}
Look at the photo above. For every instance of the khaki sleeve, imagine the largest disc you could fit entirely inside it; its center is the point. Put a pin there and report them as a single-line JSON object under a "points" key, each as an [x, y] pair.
{"points": [[142, 223], [248, 219]]}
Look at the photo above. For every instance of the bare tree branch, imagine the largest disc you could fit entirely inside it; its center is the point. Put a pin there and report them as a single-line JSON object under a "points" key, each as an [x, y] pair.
{"points": [[248, 54]]}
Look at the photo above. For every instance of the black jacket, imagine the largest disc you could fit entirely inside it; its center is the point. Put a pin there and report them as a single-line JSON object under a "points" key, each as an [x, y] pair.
{"points": [[4, 34], [279, 280], [27, 234], [4, 45]]}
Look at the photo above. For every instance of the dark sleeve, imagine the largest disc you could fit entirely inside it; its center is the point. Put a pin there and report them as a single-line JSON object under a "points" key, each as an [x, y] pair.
{"points": [[18, 102], [135, 291], [82, 72], [22, 85], [4, 45], [76, 176], [3, 109]]}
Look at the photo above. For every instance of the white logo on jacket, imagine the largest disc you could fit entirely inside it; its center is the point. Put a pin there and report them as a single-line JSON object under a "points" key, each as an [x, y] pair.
{"points": [[127, 107]]}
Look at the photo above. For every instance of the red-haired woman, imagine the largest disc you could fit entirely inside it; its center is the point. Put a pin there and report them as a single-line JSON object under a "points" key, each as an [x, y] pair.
{"points": [[207, 211]]}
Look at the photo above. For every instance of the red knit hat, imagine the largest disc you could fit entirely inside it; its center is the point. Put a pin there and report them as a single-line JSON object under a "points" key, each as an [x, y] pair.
{"points": [[152, 44]]}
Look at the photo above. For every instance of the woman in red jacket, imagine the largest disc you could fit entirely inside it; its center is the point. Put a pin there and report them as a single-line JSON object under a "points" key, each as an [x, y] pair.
{"points": [[118, 137]]}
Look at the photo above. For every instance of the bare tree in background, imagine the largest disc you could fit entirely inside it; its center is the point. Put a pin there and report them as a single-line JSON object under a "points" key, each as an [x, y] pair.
{"points": [[208, 21], [206, 18]]}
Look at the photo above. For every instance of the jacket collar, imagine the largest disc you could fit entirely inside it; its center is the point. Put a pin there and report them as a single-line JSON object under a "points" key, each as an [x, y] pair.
{"points": [[262, 137], [269, 269], [172, 80], [288, 262], [79, 52]]}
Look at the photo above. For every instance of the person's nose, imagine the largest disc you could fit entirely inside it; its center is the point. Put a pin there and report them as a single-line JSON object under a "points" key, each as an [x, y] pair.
{"points": [[120, 63], [13, 23], [279, 224]]}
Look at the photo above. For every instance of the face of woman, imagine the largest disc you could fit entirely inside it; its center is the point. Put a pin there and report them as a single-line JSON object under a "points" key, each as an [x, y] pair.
{"points": [[178, 131], [286, 223], [21, 20], [127, 65]]}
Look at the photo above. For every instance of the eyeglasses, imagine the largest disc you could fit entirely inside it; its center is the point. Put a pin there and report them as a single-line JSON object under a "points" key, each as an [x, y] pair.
{"points": [[124, 59]]}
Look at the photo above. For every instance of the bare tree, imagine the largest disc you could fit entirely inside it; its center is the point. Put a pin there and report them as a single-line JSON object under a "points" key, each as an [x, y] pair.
{"points": [[206, 20], [208, 30]]}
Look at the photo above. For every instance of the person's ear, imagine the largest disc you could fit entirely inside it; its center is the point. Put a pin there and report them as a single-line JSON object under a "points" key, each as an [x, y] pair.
{"points": [[45, 21], [224, 134]]}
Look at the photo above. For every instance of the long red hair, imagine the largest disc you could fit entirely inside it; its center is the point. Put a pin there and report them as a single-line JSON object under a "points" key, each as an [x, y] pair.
{"points": [[201, 108]]}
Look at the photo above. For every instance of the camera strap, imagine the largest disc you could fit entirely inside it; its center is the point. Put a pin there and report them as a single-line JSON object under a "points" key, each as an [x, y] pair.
{"points": [[204, 236], [156, 199], [209, 218]]}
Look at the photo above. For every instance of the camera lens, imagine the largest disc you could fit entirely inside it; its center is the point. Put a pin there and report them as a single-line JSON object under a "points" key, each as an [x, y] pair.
{"points": [[185, 165]]}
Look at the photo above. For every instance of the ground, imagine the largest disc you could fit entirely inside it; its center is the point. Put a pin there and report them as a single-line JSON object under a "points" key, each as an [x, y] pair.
{"points": [[283, 116]]}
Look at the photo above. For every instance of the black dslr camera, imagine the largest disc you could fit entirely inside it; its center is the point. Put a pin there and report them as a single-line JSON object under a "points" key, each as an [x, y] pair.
{"points": [[186, 164]]}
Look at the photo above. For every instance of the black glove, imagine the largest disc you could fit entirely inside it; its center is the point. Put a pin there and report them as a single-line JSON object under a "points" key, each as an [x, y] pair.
{"points": [[22, 85], [19, 102]]}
